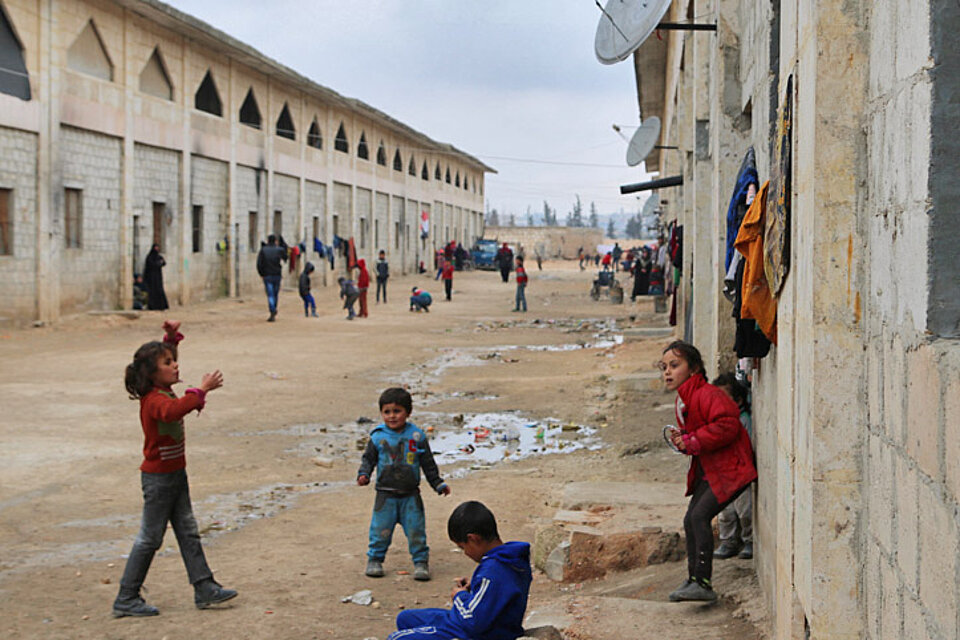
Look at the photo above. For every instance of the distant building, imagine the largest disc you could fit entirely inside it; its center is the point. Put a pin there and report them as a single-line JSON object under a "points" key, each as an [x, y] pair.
{"points": [[125, 123]]}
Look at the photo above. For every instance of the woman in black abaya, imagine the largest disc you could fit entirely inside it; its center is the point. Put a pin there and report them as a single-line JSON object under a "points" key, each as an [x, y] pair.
{"points": [[153, 280]]}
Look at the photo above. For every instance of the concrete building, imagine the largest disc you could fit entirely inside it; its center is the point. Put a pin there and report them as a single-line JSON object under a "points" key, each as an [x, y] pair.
{"points": [[127, 122], [857, 407], [550, 242]]}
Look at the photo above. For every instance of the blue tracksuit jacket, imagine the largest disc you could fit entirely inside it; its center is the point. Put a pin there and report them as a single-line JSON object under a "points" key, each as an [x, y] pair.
{"points": [[398, 457]]}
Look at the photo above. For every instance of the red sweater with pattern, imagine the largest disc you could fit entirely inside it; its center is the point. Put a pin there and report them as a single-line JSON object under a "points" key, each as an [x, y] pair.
{"points": [[161, 416]]}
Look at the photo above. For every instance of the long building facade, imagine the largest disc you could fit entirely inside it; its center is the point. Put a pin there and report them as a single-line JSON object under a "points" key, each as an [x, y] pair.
{"points": [[851, 107], [125, 123]]}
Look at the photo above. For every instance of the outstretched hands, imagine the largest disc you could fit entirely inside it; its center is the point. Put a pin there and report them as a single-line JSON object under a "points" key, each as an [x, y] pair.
{"points": [[211, 381]]}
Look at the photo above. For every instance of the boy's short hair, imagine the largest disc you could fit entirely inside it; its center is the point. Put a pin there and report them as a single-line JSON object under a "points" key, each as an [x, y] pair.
{"points": [[396, 395], [271, 239], [472, 517]]}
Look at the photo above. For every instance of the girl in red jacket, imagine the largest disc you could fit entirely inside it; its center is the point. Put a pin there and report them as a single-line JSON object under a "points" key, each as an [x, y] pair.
{"points": [[363, 283], [721, 459], [166, 495]]}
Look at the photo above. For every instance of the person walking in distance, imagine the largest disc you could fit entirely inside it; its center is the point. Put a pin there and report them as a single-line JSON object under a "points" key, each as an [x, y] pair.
{"points": [[383, 272], [270, 269]]}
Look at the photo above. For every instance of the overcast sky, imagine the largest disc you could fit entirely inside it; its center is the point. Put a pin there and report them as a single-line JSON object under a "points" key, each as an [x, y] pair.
{"points": [[513, 83]]}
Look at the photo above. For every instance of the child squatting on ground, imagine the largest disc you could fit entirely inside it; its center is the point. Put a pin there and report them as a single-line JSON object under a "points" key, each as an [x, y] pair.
{"points": [[492, 604], [399, 450], [163, 476], [721, 459]]}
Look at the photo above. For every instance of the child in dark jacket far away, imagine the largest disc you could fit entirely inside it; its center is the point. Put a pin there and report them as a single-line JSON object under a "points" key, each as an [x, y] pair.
{"points": [[163, 475], [399, 450], [491, 605], [309, 305], [383, 273], [349, 294], [721, 460]]}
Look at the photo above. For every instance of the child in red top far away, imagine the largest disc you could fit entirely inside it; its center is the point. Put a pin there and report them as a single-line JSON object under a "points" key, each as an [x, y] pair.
{"points": [[363, 283], [721, 459], [446, 273], [163, 477], [521, 286]]}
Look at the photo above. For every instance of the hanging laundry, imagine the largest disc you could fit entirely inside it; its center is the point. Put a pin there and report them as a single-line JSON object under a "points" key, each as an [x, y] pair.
{"points": [[740, 201], [293, 252], [776, 241], [675, 246], [318, 247], [749, 341], [351, 255], [757, 303]]}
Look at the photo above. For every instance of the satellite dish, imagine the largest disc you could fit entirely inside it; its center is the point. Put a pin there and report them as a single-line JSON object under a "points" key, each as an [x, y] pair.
{"points": [[643, 141], [624, 25]]}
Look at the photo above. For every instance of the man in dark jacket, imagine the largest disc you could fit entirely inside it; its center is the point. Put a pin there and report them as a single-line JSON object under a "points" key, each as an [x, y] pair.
{"points": [[383, 272], [269, 268]]}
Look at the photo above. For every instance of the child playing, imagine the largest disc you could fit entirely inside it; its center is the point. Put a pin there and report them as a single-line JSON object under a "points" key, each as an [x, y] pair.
{"points": [[740, 511], [349, 294], [383, 272], [521, 286], [492, 604], [399, 450], [309, 305], [363, 283], [166, 495], [721, 463], [420, 299], [446, 272]]}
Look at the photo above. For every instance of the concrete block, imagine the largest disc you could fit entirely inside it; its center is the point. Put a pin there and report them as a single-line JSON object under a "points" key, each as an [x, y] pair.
{"points": [[593, 553], [908, 520], [913, 35], [951, 421], [879, 492], [891, 623], [872, 589], [914, 622], [557, 563], [938, 559], [546, 540], [923, 411]]}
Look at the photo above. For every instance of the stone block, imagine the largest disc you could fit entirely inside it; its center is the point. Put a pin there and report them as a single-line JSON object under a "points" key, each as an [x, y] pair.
{"points": [[872, 588], [546, 540], [593, 553], [890, 618], [951, 421], [907, 526], [914, 622], [893, 391], [879, 493], [913, 37], [923, 411], [938, 559], [557, 564]]}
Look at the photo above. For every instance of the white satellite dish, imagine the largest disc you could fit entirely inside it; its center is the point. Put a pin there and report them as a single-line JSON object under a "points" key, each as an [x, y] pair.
{"points": [[643, 141], [624, 25]]}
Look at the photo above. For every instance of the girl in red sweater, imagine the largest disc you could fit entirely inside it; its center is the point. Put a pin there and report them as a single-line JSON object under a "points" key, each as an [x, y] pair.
{"points": [[363, 283], [163, 476], [721, 459]]}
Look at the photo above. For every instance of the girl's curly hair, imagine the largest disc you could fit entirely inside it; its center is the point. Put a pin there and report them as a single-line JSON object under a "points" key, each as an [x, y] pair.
{"points": [[139, 375]]}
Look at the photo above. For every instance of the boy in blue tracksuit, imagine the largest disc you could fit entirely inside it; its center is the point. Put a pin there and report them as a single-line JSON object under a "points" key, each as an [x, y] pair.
{"points": [[492, 604], [399, 450]]}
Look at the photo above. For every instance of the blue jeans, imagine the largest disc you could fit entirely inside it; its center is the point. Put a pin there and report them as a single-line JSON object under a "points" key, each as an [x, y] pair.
{"points": [[309, 304], [422, 624], [272, 285], [388, 510], [166, 498], [521, 297]]}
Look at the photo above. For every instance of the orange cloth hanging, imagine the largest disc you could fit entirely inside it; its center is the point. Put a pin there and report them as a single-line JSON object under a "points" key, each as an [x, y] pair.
{"points": [[758, 303]]}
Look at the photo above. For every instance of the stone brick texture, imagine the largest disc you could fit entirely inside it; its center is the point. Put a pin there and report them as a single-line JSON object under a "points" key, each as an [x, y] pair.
{"points": [[156, 178], [207, 269], [17, 173]]}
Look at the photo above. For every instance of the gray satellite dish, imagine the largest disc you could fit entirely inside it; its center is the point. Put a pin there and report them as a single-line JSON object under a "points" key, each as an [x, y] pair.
{"points": [[643, 141], [624, 25]]}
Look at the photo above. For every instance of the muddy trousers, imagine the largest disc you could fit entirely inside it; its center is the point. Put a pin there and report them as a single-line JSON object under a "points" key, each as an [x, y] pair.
{"points": [[696, 525], [388, 511], [423, 624], [166, 498]]}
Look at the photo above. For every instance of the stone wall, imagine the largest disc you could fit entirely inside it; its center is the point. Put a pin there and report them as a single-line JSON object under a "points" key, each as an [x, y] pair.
{"points": [[17, 162], [207, 269], [251, 199], [554, 242]]}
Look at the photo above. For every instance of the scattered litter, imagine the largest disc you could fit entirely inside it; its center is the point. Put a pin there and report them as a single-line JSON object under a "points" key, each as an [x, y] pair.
{"points": [[364, 420], [273, 375], [403, 572], [323, 461], [364, 598]]}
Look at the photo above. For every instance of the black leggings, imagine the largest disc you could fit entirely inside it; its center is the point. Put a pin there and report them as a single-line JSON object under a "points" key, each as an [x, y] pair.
{"points": [[696, 524]]}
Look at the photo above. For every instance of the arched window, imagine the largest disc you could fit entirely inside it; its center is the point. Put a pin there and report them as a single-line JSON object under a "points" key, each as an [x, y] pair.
{"points": [[447, 178], [457, 182], [285, 128], [362, 151], [466, 187], [314, 139], [249, 111], [436, 173], [412, 167], [424, 173], [154, 79], [397, 161], [88, 54], [382, 155], [340, 143], [14, 80], [207, 98]]}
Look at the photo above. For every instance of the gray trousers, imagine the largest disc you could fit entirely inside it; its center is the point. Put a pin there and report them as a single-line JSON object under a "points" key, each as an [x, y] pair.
{"points": [[166, 498], [740, 511]]}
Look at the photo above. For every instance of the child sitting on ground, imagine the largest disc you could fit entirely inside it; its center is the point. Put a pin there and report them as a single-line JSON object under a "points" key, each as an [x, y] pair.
{"points": [[492, 604], [399, 450], [420, 300], [163, 476]]}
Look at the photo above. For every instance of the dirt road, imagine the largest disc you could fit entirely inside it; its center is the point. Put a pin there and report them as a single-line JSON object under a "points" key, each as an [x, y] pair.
{"points": [[289, 533]]}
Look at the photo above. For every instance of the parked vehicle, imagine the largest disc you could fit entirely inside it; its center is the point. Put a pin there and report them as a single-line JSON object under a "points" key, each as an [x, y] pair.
{"points": [[484, 254]]}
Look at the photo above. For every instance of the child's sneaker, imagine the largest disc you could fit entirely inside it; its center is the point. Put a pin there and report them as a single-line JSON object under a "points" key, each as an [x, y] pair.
{"points": [[374, 569], [421, 571], [695, 591], [132, 605], [208, 593]]}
